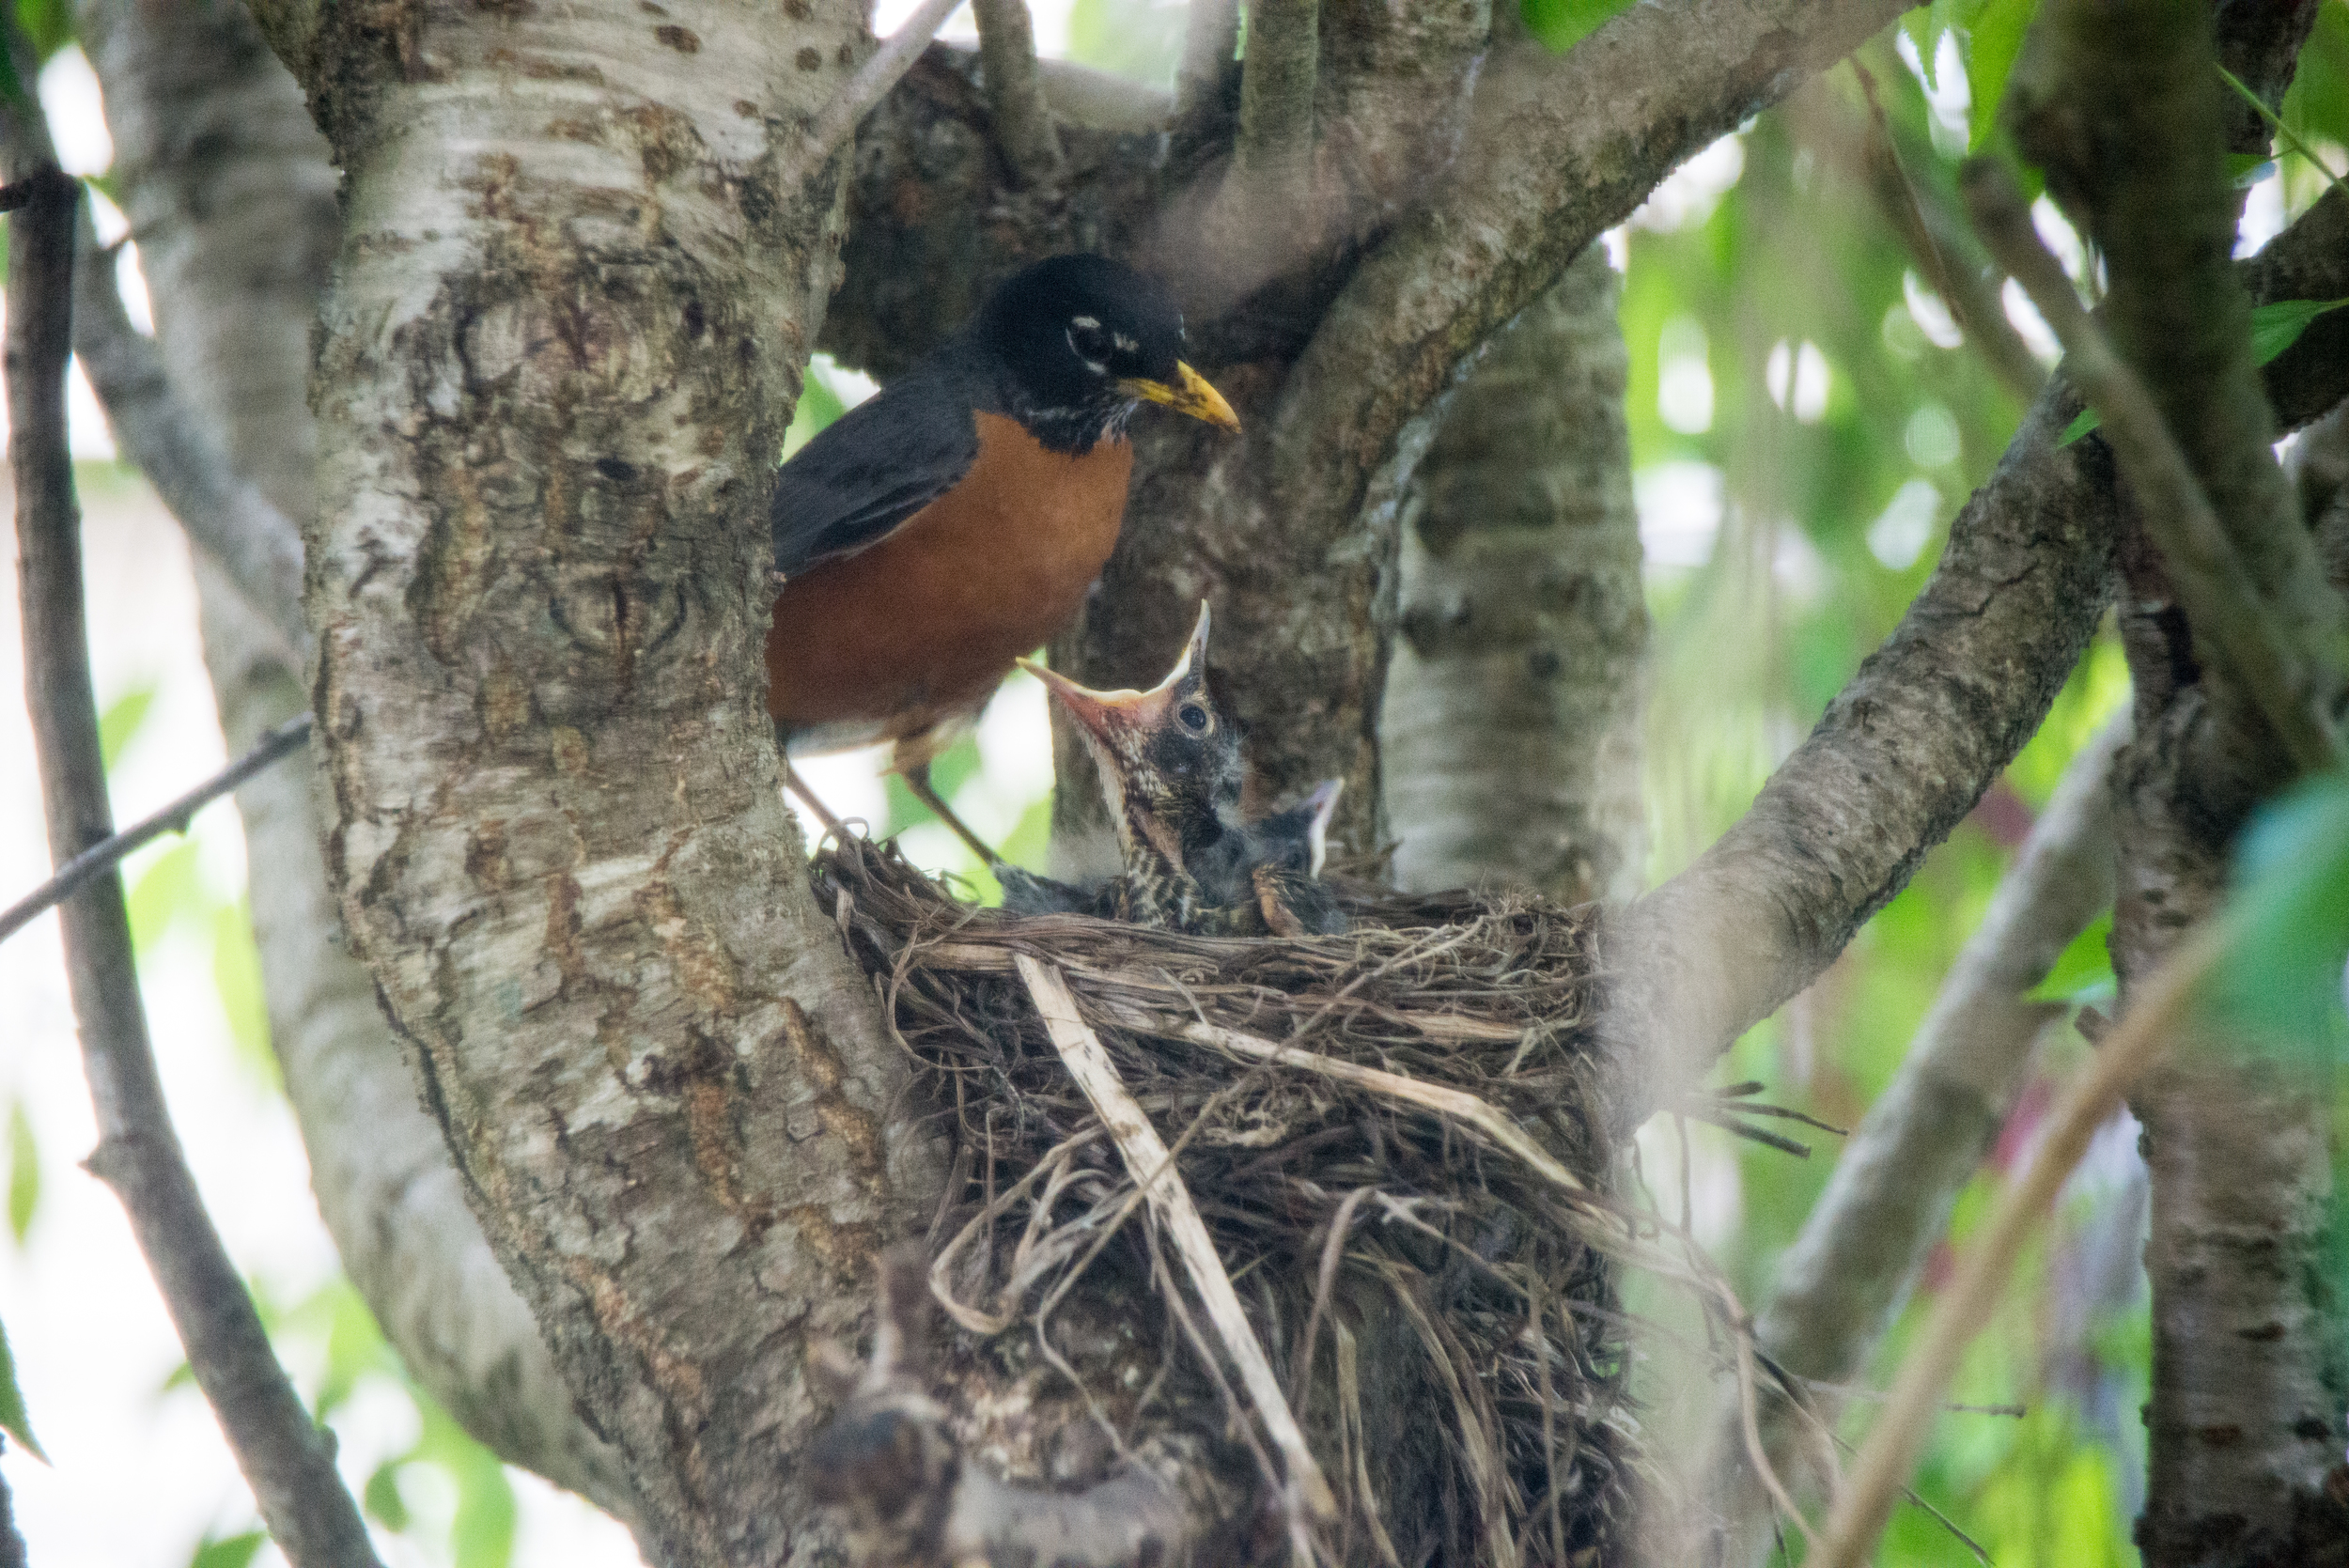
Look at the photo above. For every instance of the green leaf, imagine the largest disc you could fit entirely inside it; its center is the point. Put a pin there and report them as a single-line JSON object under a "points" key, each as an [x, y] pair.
{"points": [[2275, 326], [24, 1172], [819, 405], [1994, 41], [1562, 24], [119, 724], [165, 891], [12, 1418], [237, 978], [382, 1498], [2280, 987], [2247, 169], [2083, 970], [47, 25], [232, 1551]]}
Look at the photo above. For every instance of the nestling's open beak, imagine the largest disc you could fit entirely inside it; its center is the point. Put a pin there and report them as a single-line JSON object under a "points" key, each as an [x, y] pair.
{"points": [[1190, 395], [1107, 712]]}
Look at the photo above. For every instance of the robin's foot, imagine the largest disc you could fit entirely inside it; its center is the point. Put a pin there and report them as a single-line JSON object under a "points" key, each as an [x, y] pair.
{"points": [[797, 786], [918, 780]]}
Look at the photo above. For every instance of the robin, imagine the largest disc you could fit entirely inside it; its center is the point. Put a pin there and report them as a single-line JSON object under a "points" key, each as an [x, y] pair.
{"points": [[954, 521], [1171, 768]]}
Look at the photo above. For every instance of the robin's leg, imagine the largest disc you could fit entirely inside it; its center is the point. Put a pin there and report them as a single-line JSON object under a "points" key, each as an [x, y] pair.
{"points": [[823, 813], [917, 780]]}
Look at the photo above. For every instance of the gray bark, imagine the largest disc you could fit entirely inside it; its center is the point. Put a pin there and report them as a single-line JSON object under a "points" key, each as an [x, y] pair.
{"points": [[567, 324], [231, 200], [2249, 1385], [1511, 726]]}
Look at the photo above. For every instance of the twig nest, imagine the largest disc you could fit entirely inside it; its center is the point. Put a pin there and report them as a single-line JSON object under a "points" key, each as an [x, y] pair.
{"points": [[1393, 1136]]}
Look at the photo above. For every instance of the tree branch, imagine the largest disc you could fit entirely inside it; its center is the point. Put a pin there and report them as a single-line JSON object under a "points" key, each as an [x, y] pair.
{"points": [[1276, 91], [2123, 108], [1558, 148], [2222, 603], [1906, 749], [1841, 1282], [225, 516], [1210, 48], [173, 818], [1898, 1436], [1511, 726], [286, 1459], [1023, 123], [230, 192], [837, 121]]}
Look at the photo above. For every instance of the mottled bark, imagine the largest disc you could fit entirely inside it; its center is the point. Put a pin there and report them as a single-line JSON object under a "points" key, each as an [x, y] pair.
{"points": [[1843, 1281], [2248, 1387], [565, 327], [231, 200], [1511, 724]]}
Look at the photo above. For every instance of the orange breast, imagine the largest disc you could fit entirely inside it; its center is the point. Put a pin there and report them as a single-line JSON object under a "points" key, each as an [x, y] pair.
{"points": [[921, 627]]}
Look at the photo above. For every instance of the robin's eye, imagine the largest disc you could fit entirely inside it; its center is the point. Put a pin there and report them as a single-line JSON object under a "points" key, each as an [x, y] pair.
{"points": [[1193, 718], [1091, 344]]}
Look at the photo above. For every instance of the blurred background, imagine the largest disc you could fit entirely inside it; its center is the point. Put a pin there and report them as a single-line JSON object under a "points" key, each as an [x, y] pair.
{"points": [[1805, 419]]}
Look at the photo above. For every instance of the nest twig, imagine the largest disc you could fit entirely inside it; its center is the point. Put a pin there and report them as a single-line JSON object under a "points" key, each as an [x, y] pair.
{"points": [[1392, 1132]]}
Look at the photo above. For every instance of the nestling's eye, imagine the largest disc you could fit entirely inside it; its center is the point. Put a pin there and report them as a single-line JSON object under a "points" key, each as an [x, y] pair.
{"points": [[1091, 344], [1195, 717]]}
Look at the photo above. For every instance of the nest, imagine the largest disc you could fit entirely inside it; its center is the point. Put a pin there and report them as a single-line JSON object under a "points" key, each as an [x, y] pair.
{"points": [[1394, 1139]]}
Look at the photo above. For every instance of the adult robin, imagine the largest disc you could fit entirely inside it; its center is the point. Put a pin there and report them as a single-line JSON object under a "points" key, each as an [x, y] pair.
{"points": [[954, 522], [1172, 771]]}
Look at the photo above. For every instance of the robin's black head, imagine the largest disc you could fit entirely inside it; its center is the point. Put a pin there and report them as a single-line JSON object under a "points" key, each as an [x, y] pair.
{"points": [[1080, 341], [1169, 758]]}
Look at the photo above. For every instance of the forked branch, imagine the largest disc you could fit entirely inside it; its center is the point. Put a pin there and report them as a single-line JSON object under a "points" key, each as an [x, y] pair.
{"points": [[1014, 92], [2221, 601]]}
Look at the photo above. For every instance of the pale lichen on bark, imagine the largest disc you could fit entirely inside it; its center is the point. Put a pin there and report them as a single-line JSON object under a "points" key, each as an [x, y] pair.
{"points": [[568, 322], [1510, 724]]}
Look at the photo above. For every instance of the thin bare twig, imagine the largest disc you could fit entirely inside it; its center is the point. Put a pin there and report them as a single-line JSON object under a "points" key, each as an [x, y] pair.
{"points": [[1147, 1158], [173, 818], [2213, 583], [1899, 1435], [225, 515], [286, 1460], [1023, 122], [1937, 240], [837, 121]]}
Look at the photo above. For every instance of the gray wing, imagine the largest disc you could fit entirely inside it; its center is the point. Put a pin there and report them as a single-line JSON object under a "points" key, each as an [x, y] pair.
{"points": [[871, 469]]}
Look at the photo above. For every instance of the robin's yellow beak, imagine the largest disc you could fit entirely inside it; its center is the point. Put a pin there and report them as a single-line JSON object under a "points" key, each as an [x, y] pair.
{"points": [[1190, 395]]}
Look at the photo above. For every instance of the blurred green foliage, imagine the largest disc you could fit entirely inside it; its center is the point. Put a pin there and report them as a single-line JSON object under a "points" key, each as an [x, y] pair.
{"points": [[176, 895]]}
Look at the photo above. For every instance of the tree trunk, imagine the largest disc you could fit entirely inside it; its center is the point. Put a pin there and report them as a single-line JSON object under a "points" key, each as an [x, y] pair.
{"points": [[564, 332], [1512, 721], [231, 200], [2123, 108]]}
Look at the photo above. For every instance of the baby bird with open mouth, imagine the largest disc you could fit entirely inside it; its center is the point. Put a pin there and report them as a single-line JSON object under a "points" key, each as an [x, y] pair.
{"points": [[1171, 769]]}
